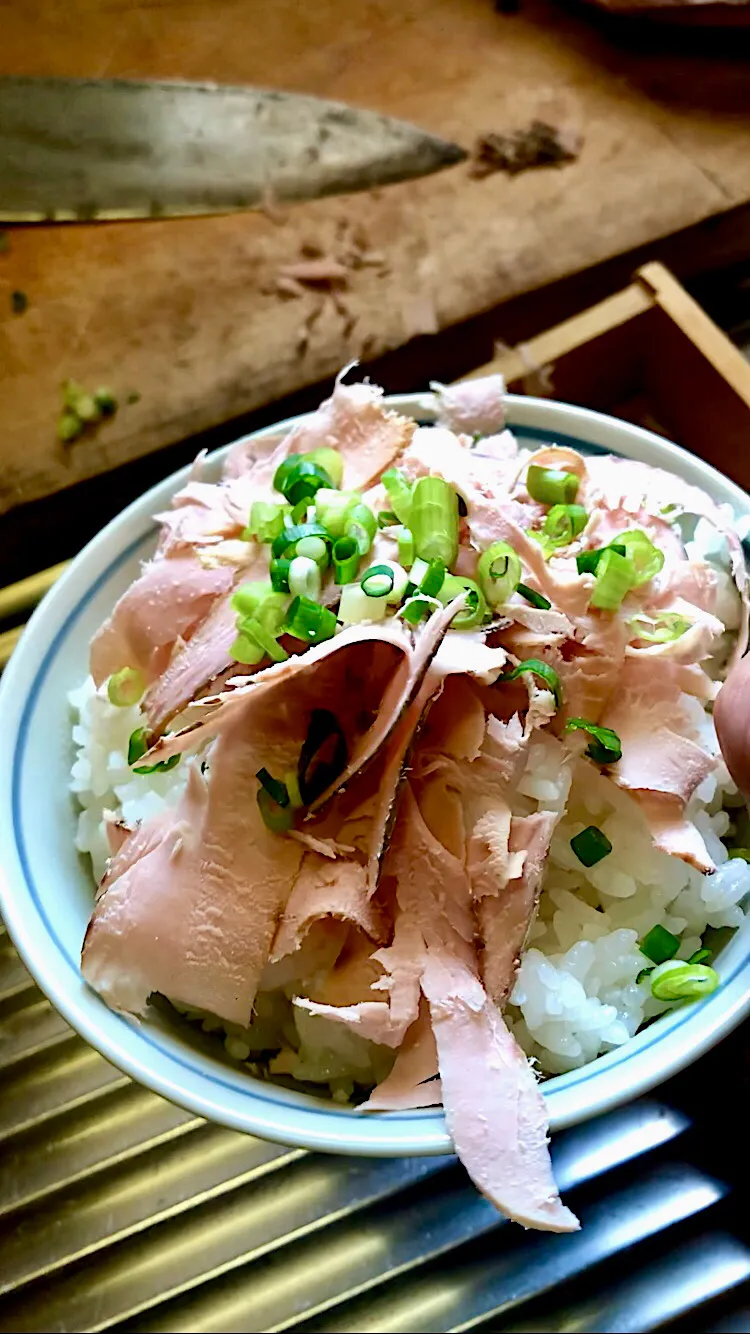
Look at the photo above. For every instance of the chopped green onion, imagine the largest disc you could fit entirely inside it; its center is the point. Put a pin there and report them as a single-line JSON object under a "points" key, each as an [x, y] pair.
{"points": [[434, 520], [246, 651], [125, 687], [137, 746], [330, 461], [614, 579], [399, 493], [563, 523], [323, 755], [550, 486], [378, 581], [355, 606], [286, 543], [588, 561], [433, 579], [361, 524], [274, 787], [266, 521], [260, 634], [291, 782], [536, 599], [276, 818], [661, 629], [315, 548], [304, 576], [346, 560], [406, 548], [499, 572], [674, 981], [280, 575], [475, 611], [248, 597], [541, 669], [284, 470], [647, 559], [303, 481], [644, 973], [418, 571], [659, 944], [400, 582], [605, 747], [415, 609], [387, 518], [591, 845], [331, 508], [309, 621], [700, 956]]}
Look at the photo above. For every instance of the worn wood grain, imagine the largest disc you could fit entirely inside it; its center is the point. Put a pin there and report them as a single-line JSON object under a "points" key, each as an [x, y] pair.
{"points": [[181, 312]]}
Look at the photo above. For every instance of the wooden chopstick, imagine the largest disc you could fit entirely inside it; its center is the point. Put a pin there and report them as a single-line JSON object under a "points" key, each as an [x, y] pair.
{"points": [[23, 596], [8, 641]]}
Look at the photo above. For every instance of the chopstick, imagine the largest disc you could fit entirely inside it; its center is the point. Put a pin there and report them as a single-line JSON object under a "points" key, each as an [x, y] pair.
{"points": [[20, 600]]}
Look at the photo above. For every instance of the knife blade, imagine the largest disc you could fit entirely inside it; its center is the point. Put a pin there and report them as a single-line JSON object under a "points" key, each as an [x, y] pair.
{"points": [[83, 149]]}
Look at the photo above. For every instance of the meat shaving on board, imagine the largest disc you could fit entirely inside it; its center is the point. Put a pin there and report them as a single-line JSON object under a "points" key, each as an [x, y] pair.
{"points": [[392, 898]]}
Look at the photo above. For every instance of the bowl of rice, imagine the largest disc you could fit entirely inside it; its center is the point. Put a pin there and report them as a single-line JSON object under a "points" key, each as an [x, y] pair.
{"points": [[395, 834]]}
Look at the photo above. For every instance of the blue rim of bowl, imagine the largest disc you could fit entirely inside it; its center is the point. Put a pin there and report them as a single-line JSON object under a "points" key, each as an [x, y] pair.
{"points": [[255, 1093]]}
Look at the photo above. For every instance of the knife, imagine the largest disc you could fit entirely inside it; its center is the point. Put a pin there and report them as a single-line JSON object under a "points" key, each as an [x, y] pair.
{"points": [[81, 149]]}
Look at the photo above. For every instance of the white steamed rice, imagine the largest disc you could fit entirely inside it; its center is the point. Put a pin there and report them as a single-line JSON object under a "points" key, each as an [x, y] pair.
{"points": [[576, 993]]}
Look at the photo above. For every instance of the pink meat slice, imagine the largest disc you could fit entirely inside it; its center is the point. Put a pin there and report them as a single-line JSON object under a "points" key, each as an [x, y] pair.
{"points": [[473, 406], [355, 421], [325, 890], [195, 917], [493, 1105], [165, 603], [506, 915], [411, 1082], [194, 665]]}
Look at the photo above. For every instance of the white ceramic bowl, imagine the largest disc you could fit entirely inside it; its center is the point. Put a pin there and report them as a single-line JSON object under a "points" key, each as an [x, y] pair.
{"points": [[46, 891]]}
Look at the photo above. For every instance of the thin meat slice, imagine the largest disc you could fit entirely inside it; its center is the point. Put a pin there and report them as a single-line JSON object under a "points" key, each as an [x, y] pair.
{"points": [[328, 889], [505, 916], [413, 1080], [672, 832], [354, 421], [493, 1106], [166, 602], [475, 407]]}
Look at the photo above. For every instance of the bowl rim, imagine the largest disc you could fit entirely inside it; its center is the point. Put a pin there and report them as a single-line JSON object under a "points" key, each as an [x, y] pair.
{"points": [[296, 1119]]}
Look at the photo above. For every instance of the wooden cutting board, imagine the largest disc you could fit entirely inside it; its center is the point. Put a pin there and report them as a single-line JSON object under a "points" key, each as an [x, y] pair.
{"points": [[184, 313]]}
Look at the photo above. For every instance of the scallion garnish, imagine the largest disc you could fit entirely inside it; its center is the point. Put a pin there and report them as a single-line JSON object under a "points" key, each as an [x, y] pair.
{"points": [[604, 747], [614, 580], [541, 669], [323, 755], [378, 581], [499, 573], [137, 746], [291, 782], [266, 521], [248, 597], [674, 981], [276, 818], [361, 524], [415, 609], [588, 561], [304, 576], [399, 493], [433, 579], [474, 612], [331, 508], [274, 787], [125, 687], [246, 651], [434, 520], [330, 461], [550, 486], [314, 548], [266, 639], [663, 628], [591, 845], [647, 559], [536, 599], [355, 606], [303, 481], [346, 560], [406, 548], [309, 621], [658, 944], [387, 518], [286, 543], [284, 470], [563, 523], [700, 956], [280, 575]]}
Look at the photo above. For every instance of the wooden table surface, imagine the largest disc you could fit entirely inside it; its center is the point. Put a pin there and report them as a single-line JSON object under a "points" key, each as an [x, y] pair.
{"points": [[183, 312]]}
